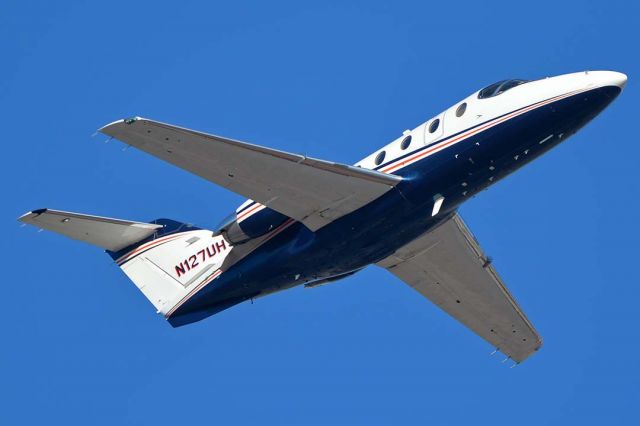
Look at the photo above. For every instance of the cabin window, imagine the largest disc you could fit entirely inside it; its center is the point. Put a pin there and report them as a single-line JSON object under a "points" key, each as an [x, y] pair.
{"points": [[461, 109], [500, 87], [434, 125], [405, 142], [380, 158]]}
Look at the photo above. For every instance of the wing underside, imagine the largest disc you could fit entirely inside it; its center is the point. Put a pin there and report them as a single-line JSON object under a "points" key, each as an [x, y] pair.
{"points": [[448, 267], [312, 191]]}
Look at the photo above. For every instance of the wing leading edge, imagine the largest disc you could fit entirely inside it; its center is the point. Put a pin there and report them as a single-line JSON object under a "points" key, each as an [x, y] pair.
{"points": [[314, 192], [448, 267]]}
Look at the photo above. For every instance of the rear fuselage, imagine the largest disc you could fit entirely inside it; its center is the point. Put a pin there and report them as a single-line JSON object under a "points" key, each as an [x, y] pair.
{"points": [[452, 157]]}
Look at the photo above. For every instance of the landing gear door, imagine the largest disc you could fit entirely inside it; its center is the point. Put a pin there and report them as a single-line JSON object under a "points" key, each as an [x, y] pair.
{"points": [[434, 130]]}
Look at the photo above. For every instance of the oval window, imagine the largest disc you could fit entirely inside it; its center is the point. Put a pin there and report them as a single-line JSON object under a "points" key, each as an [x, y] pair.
{"points": [[461, 109], [405, 142], [434, 125], [380, 158]]}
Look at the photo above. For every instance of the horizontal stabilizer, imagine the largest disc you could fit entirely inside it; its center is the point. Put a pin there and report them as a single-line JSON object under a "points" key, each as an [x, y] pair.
{"points": [[168, 264], [110, 234]]}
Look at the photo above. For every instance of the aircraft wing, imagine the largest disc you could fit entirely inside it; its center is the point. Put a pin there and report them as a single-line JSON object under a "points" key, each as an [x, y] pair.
{"points": [[447, 266], [314, 192], [104, 232]]}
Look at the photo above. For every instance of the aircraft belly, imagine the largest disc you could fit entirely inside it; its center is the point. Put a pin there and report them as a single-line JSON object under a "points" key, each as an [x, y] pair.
{"points": [[297, 255]]}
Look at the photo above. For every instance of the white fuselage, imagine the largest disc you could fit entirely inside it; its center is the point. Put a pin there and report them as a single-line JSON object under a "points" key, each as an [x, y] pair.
{"points": [[482, 110]]}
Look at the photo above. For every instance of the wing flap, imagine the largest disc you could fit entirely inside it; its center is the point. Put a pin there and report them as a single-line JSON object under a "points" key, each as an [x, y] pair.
{"points": [[110, 234], [312, 191], [448, 267]]}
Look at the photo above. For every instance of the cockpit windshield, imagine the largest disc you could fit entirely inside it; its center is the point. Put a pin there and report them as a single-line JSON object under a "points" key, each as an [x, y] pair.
{"points": [[500, 87]]}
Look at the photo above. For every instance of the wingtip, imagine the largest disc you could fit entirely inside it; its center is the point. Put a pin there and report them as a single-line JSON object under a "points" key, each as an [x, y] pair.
{"points": [[31, 214], [106, 126], [130, 120]]}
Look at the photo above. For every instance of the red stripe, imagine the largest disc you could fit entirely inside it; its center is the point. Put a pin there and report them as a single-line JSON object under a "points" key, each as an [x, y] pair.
{"points": [[244, 207], [411, 159], [245, 213]]}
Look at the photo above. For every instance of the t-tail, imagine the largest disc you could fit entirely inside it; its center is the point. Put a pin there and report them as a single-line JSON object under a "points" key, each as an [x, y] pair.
{"points": [[167, 260]]}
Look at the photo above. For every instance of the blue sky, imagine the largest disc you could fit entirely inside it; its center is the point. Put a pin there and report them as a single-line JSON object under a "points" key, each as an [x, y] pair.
{"points": [[334, 80]]}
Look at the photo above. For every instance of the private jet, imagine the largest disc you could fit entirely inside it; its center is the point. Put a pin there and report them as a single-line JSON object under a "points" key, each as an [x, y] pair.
{"points": [[312, 222]]}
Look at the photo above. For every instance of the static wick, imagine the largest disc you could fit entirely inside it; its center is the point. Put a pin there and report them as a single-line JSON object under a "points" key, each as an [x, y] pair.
{"points": [[494, 352], [126, 148], [108, 139]]}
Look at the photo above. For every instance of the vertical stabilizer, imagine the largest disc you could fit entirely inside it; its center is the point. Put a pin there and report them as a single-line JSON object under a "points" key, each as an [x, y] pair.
{"points": [[170, 269]]}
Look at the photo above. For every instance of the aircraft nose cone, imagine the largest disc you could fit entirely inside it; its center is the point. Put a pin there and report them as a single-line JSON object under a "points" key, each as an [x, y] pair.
{"points": [[608, 78], [618, 79]]}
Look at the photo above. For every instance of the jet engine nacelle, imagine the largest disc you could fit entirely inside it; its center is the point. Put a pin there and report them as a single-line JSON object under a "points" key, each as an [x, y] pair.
{"points": [[240, 227]]}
